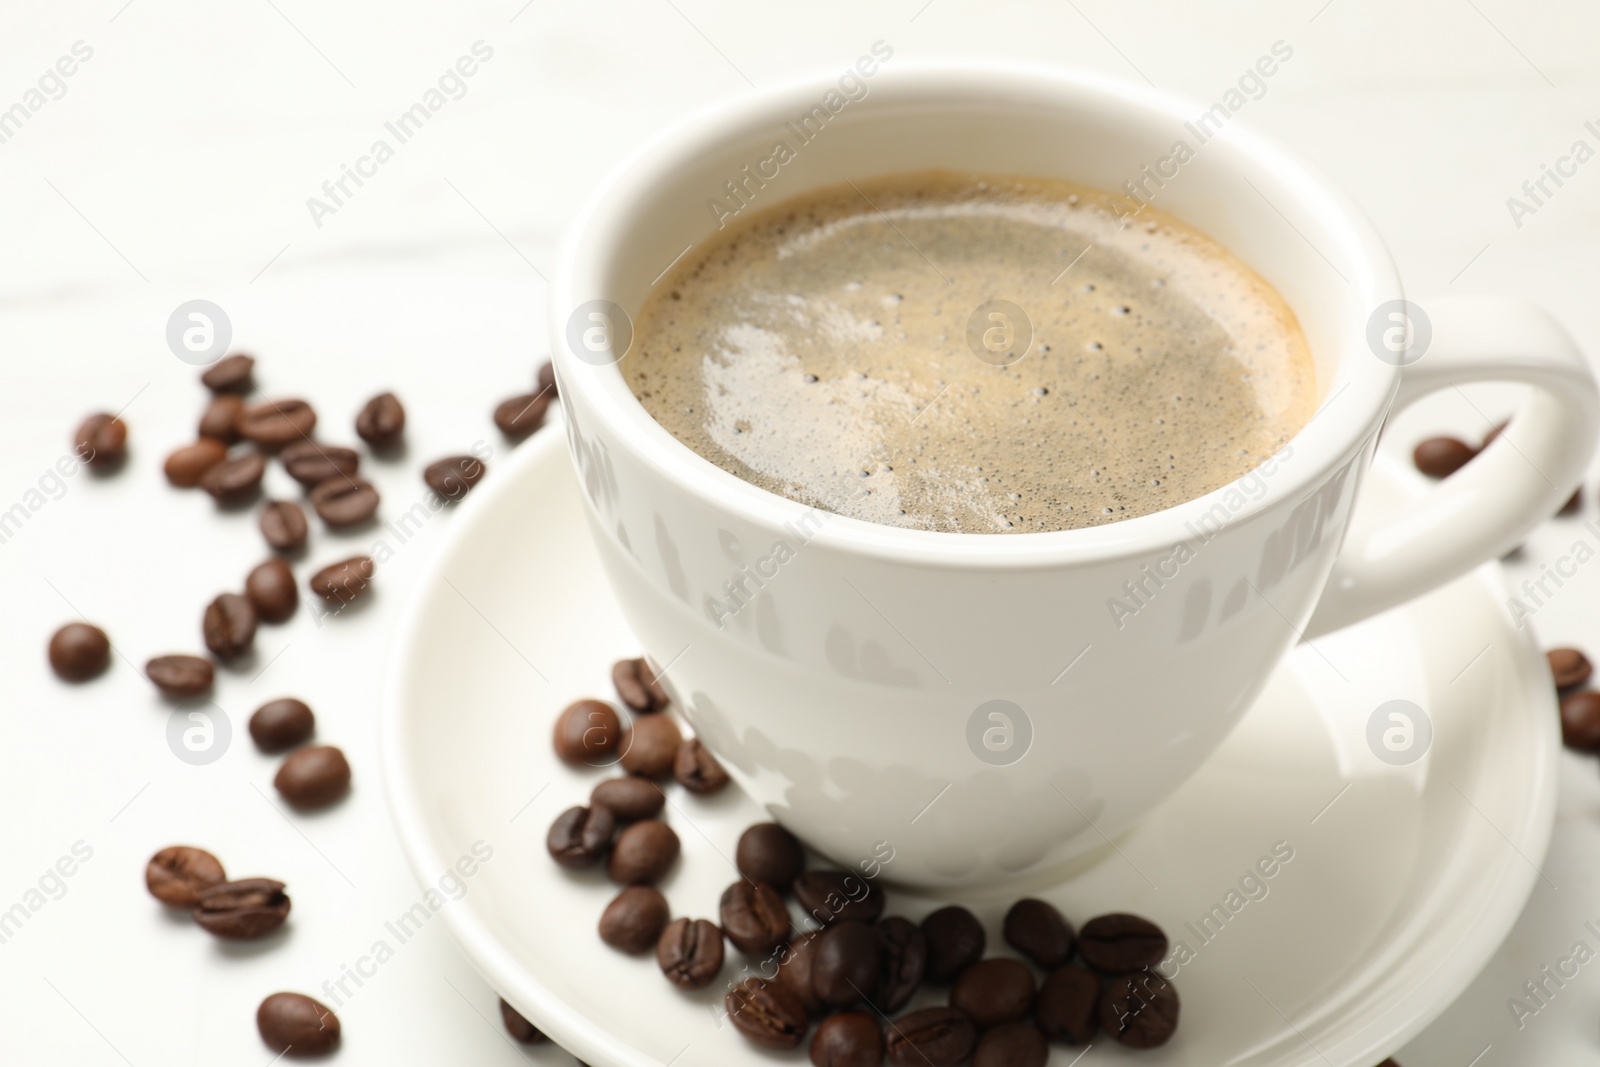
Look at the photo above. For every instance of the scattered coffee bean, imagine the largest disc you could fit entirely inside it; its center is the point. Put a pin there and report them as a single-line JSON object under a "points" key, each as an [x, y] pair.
{"points": [[1120, 943], [229, 626], [546, 379], [766, 1014], [1139, 1010], [185, 465], [994, 991], [836, 896], [634, 919], [311, 463], [180, 676], [690, 952], [588, 731], [342, 582], [101, 441], [643, 853], [932, 1037], [453, 476], [343, 501], [1574, 502], [848, 1039], [276, 423], [231, 374], [1067, 1006], [638, 686], [902, 958], [236, 480], [845, 970], [519, 416], [79, 652], [650, 747], [1580, 720], [1440, 457], [295, 1025], [283, 524], [279, 725], [242, 910], [382, 421], [754, 917], [580, 837], [768, 853], [1037, 930], [795, 962], [313, 777], [518, 1027], [271, 590], [178, 874], [216, 422], [630, 798], [1569, 667], [955, 942], [1018, 1044], [697, 770]]}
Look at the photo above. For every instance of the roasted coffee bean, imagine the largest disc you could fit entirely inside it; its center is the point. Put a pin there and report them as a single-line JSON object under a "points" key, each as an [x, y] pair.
{"points": [[795, 962], [634, 919], [231, 374], [1569, 667], [453, 476], [1017, 1044], [311, 463], [382, 421], [281, 724], [79, 652], [271, 590], [754, 917], [1139, 1010], [101, 441], [1574, 502], [836, 896], [955, 942], [342, 582], [342, 501], [644, 851], [766, 1015], [216, 422], [283, 524], [313, 777], [519, 416], [242, 910], [236, 480], [932, 1037], [546, 379], [848, 1039], [276, 423], [630, 798], [180, 676], [689, 952], [588, 731], [1121, 943], [638, 686], [229, 626], [845, 971], [185, 465], [580, 837], [1067, 1007], [902, 959], [295, 1025], [1037, 930], [650, 746], [1580, 720], [768, 853], [697, 770], [178, 874], [1440, 457], [994, 991], [518, 1027]]}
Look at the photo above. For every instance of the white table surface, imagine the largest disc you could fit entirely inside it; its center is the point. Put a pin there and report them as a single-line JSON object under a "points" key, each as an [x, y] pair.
{"points": [[177, 165]]}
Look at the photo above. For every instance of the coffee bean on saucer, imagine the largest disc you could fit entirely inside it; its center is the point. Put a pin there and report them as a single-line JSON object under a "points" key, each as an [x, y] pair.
{"points": [[650, 746], [311, 463], [1139, 1010], [178, 874], [644, 851], [638, 686], [234, 480], [634, 919], [180, 676], [313, 777], [519, 416], [345, 501], [932, 1037], [453, 476], [902, 959], [768, 853], [382, 421], [845, 970], [1067, 1007], [848, 1039], [229, 626], [186, 464], [281, 724], [1037, 930], [588, 731], [1569, 667], [216, 422], [1440, 457], [955, 942], [1019, 1044], [697, 770], [283, 524], [101, 441], [242, 910], [271, 590], [519, 1028], [766, 1015], [546, 379], [580, 837], [994, 991], [836, 896], [295, 1025], [342, 582], [795, 962], [1121, 943], [630, 799], [754, 917], [231, 374], [689, 952], [276, 423], [1580, 720], [79, 652]]}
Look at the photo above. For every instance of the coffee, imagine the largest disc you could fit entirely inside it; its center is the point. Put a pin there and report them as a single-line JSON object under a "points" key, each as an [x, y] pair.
{"points": [[953, 353]]}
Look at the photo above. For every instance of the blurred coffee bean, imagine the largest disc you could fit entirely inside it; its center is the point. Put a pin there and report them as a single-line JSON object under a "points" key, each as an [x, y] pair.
{"points": [[581, 837], [630, 798], [836, 896], [845, 970], [754, 917], [848, 1039], [1139, 1010], [932, 1037], [697, 770], [344, 501], [453, 476], [311, 463], [1019, 1044], [766, 1015], [1120, 943], [689, 952], [587, 732], [79, 652], [1569, 667], [902, 958], [650, 747], [296, 1026], [313, 777], [234, 480], [634, 919], [519, 416], [242, 910], [1440, 457], [101, 441], [1067, 1005], [1580, 720], [186, 464], [795, 962], [283, 524], [342, 582], [216, 422], [994, 991], [768, 853], [282, 724], [180, 676], [518, 1027], [643, 853], [231, 374], [637, 685], [382, 421], [1037, 930], [271, 590], [178, 874], [546, 379], [229, 626], [955, 942], [276, 423]]}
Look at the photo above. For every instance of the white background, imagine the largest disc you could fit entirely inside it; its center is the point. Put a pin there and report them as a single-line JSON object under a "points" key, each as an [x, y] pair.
{"points": [[178, 164]]}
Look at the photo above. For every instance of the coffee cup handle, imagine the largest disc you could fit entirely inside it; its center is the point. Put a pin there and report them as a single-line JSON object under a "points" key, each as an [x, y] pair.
{"points": [[1488, 507]]}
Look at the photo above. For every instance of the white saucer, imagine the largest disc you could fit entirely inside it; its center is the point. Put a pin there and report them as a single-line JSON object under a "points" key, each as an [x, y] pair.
{"points": [[1404, 879]]}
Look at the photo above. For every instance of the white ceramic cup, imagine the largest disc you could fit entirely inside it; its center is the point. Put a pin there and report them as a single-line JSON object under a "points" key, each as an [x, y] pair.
{"points": [[975, 704]]}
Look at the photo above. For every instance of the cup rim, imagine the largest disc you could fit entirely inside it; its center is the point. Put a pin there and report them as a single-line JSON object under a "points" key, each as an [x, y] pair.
{"points": [[1363, 388]]}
